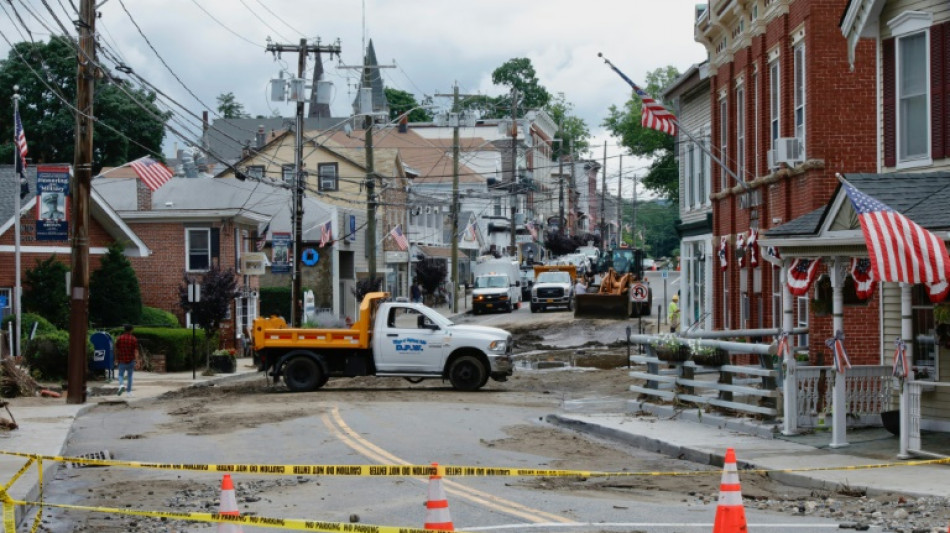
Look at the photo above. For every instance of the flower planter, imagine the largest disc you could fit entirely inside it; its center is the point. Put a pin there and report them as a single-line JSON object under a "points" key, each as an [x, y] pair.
{"points": [[222, 363], [717, 357], [672, 354]]}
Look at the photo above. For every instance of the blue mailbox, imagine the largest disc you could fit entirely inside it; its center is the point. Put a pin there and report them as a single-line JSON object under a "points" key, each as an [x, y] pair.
{"points": [[102, 352]]}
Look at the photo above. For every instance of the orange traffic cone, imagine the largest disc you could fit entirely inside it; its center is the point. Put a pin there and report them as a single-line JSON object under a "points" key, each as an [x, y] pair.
{"points": [[730, 514], [437, 507], [228, 506]]}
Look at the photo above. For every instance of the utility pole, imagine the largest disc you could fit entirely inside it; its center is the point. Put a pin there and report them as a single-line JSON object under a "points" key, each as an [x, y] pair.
{"points": [[560, 194], [603, 203], [302, 49], [620, 202], [572, 190], [514, 169], [455, 120], [634, 211], [82, 163]]}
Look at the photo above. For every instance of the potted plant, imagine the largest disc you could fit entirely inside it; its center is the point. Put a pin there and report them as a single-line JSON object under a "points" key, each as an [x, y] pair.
{"points": [[669, 348], [223, 360], [942, 322], [707, 355]]}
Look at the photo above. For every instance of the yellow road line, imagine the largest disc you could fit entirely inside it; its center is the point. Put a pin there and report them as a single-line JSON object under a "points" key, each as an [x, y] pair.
{"points": [[336, 425]]}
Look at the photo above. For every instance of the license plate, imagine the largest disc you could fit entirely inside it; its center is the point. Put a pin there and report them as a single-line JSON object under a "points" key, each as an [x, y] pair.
{"points": [[550, 300], [488, 305]]}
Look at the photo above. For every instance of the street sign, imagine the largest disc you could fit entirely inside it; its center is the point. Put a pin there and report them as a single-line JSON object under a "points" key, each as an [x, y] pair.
{"points": [[639, 292], [665, 274]]}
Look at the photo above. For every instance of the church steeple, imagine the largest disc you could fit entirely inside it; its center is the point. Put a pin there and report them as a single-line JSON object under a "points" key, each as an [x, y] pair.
{"points": [[317, 110]]}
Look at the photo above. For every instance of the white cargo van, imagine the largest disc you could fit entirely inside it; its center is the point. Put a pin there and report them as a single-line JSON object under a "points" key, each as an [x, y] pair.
{"points": [[497, 285]]}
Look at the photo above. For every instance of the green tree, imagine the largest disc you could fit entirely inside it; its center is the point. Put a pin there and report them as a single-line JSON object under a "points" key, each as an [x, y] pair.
{"points": [[663, 176], [570, 127], [44, 291], [656, 223], [218, 289], [402, 101], [519, 74], [430, 273], [49, 122], [114, 295], [229, 107]]}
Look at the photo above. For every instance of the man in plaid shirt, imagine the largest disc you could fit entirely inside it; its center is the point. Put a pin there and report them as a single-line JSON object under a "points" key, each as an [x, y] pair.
{"points": [[126, 351]]}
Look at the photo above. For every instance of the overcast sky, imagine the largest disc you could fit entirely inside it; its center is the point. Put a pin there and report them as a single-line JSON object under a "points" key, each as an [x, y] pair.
{"points": [[217, 46]]}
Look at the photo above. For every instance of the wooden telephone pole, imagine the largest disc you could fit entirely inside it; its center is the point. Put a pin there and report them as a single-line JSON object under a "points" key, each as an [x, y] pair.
{"points": [[82, 165], [302, 49]]}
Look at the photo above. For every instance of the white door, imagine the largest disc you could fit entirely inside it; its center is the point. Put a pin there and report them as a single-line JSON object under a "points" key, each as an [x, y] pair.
{"points": [[409, 342]]}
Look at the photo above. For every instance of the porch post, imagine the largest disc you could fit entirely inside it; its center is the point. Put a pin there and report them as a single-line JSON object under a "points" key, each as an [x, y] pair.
{"points": [[789, 384], [907, 334], [839, 408]]}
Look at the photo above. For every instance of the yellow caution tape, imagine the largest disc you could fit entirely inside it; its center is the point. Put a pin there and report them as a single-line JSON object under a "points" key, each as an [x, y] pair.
{"points": [[250, 520], [19, 473], [429, 470]]}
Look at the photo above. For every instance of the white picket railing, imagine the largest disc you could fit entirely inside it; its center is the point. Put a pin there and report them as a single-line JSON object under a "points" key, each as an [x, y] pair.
{"points": [[868, 389]]}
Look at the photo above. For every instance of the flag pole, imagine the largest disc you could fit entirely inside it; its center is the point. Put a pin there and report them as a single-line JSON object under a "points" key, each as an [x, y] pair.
{"points": [[679, 127], [16, 225]]}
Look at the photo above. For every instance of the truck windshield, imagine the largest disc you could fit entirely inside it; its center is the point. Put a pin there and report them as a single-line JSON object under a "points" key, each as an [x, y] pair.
{"points": [[491, 282], [554, 277]]}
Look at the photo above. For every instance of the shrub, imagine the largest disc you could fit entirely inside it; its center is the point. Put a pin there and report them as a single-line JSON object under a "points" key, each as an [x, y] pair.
{"points": [[48, 353], [175, 343], [158, 318], [275, 301], [26, 324]]}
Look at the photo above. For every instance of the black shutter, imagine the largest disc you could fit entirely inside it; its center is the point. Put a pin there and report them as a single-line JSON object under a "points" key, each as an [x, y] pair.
{"points": [[215, 243], [890, 102]]}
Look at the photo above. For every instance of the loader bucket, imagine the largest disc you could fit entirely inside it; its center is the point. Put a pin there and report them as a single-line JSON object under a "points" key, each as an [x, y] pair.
{"points": [[602, 306]]}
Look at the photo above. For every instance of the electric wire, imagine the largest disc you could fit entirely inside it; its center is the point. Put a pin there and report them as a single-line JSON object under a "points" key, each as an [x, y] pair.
{"points": [[262, 4], [223, 25]]}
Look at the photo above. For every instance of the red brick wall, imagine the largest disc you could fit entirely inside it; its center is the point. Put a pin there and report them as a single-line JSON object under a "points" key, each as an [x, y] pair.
{"points": [[840, 132]]}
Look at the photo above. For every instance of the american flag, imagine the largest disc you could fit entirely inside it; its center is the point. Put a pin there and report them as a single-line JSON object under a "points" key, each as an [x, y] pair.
{"points": [[20, 138], [152, 173], [654, 115], [262, 238], [532, 230], [900, 250], [401, 241], [326, 233]]}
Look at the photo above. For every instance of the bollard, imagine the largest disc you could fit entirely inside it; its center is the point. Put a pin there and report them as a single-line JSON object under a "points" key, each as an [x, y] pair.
{"points": [[628, 346]]}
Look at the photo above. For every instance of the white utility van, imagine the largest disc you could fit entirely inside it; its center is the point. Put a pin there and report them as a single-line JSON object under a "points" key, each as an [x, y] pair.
{"points": [[497, 285]]}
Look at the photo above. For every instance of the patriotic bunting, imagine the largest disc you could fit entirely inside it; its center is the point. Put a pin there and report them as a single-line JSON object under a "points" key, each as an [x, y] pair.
{"points": [[836, 344], [784, 350], [752, 245], [740, 250], [772, 251], [724, 253], [801, 274], [863, 276], [901, 366]]}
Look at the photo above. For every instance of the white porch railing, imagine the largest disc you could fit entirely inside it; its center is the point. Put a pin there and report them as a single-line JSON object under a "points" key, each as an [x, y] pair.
{"points": [[867, 389], [913, 412]]}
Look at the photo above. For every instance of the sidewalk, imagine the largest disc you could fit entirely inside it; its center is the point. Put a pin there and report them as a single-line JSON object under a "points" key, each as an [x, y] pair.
{"points": [[758, 447], [45, 423]]}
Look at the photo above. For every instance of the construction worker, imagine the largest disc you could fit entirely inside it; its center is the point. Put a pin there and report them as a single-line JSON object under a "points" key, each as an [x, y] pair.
{"points": [[673, 314]]}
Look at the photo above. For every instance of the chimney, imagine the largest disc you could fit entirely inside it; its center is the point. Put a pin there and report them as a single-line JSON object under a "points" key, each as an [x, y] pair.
{"points": [[143, 196], [261, 137]]}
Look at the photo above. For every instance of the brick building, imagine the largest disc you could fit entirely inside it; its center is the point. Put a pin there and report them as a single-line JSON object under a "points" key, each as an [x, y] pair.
{"points": [[778, 70]]}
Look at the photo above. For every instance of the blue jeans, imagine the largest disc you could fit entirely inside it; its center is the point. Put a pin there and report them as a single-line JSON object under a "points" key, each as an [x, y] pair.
{"points": [[126, 368]]}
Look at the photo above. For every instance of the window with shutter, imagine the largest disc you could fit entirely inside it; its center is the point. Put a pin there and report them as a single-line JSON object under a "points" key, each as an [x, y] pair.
{"points": [[913, 97]]}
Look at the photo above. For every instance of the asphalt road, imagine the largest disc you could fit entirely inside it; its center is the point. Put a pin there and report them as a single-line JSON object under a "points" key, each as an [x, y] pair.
{"points": [[347, 427]]}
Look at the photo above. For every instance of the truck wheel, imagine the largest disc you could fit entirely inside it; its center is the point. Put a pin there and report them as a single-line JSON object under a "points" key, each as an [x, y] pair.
{"points": [[467, 373], [534, 308], [570, 304], [303, 374]]}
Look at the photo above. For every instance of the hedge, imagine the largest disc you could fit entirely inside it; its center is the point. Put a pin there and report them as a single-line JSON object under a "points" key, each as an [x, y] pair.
{"points": [[47, 355], [175, 343]]}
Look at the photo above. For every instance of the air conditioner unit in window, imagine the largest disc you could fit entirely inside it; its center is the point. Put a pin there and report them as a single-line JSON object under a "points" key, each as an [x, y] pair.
{"points": [[787, 150]]}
